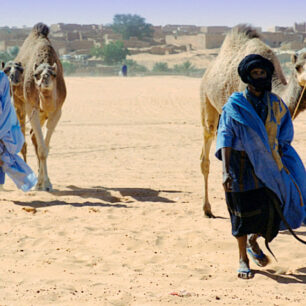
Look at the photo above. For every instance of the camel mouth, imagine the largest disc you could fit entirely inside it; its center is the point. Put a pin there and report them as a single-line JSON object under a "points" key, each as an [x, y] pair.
{"points": [[15, 83], [45, 89], [45, 85]]}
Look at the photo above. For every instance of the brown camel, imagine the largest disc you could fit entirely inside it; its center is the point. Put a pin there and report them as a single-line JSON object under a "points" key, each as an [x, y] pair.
{"points": [[221, 79], [41, 94], [14, 71]]}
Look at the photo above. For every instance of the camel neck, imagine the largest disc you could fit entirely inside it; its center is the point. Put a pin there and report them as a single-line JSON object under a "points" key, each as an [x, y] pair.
{"points": [[290, 93]]}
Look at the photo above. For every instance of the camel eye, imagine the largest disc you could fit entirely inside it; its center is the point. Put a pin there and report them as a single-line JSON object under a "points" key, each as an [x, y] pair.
{"points": [[7, 70], [298, 68]]}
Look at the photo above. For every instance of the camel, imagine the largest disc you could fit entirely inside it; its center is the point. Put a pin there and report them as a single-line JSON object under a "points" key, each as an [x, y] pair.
{"points": [[14, 71], [41, 94], [221, 79]]}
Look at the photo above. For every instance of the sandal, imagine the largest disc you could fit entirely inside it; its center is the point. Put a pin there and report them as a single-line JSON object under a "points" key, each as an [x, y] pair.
{"points": [[245, 273], [260, 259]]}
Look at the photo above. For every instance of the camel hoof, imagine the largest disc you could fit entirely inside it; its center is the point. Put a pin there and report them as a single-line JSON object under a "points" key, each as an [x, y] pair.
{"points": [[42, 187], [209, 214]]}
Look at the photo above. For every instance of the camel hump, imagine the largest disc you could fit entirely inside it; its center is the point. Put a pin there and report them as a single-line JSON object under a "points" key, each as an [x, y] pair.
{"points": [[41, 29], [247, 30]]}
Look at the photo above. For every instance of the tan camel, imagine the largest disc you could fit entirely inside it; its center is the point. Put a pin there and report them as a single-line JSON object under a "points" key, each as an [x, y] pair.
{"points": [[42, 95], [14, 71], [221, 79]]}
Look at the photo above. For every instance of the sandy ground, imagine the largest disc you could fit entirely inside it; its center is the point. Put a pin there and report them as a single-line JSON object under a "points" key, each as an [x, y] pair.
{"points": [[198, 58], [124, 224]]}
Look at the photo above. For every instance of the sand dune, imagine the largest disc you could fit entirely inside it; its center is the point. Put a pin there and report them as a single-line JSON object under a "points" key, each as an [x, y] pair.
{"points": [[124, 224]]}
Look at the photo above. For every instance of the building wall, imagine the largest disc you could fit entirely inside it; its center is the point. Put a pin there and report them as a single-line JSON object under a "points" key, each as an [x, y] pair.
{"points": [[183, 40], [213, 40], [300, 27], [2, 45], [215, 29], [199, 42], [276, 39]]}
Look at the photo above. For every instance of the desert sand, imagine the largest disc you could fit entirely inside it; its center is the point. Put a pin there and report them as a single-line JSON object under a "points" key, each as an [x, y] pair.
{"points": [[124, 224]]}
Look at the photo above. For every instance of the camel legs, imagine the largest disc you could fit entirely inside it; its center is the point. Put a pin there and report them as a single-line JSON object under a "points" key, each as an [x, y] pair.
{"points": [[21, 114], [210, 119], [40, 148], [51, 124]]}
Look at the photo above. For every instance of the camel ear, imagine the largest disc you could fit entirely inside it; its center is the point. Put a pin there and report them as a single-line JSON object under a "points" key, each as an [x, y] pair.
{"points": [[54, 67], [293, 58], [35, 67], [2, 64]]}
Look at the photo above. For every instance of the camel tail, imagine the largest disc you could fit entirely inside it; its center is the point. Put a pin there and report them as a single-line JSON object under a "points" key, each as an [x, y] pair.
{"points": [[40, 29]]}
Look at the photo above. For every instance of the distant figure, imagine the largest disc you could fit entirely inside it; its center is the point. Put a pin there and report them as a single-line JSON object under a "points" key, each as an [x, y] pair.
{"points": [[124, 70]]}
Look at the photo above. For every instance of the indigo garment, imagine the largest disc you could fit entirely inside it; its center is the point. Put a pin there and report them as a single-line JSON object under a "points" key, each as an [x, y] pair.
{"points": [[253, 212]]}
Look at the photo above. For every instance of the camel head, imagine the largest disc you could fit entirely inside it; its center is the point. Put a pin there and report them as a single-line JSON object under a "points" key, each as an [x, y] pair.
{"points": [[45, 75], [14, 72], [299, 62]]}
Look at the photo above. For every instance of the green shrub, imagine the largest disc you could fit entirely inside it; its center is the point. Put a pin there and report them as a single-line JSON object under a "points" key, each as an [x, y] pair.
{"points": [[184, 68], [160, 67], [68, 68], [134, 67]]}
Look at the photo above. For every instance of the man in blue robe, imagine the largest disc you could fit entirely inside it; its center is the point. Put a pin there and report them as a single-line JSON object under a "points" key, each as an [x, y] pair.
{"points": [[262, 173], [11, 142]]}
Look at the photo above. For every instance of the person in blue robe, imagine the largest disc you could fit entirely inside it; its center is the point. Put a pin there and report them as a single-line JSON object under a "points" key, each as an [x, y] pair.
{"points": [[124, 70], [11, 142], [263, 176]]}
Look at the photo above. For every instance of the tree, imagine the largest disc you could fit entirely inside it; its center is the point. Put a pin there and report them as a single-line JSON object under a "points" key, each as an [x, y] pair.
{"points": [[5, 57], [96, 51], [114, 52], [9, 55], [131, 25]]}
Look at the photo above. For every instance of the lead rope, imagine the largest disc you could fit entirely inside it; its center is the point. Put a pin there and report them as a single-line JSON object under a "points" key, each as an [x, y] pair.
{"points": [[279, 211], [269, 226], [298, 104]]}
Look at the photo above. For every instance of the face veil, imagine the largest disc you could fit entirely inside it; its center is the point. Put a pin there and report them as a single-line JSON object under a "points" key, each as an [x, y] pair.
{"points": [[256, 61]]}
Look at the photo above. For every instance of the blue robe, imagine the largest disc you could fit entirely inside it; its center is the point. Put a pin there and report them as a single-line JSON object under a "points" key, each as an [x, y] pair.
{"points": [[11, 141], [242, 129]]}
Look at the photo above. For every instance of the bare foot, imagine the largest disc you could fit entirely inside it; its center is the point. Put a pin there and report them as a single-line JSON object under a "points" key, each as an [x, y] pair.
{"points": [[244, 270], [255, 252]]}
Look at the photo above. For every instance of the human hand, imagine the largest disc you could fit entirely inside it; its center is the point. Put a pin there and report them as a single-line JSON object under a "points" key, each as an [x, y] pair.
{"points": [[227, 182]]}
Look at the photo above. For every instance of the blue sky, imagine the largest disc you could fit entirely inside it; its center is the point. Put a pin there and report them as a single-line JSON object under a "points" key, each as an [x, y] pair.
{"points": [[264, 13]]}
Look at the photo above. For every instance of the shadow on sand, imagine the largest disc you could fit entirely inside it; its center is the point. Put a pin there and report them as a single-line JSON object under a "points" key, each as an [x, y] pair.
{"points": [[298, 232], [39, 204], [103, 194], [285, 278]]}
